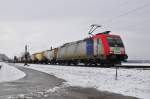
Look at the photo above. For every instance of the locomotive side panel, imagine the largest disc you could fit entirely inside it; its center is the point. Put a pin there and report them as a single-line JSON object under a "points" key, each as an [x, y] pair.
{"points": [[98, 48], [89, 48]]}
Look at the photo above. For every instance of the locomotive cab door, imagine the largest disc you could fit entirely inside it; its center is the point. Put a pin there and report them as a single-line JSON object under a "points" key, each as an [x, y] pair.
{"points": [[89, 47], [98, 48]]}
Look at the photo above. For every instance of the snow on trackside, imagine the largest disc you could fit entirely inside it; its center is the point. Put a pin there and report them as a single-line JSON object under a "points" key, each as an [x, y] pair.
{"points": [[9, 73], [136, 64], [130, 82]]}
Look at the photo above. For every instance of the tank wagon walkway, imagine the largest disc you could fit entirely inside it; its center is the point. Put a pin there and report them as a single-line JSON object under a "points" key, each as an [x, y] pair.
{"points": [[39, 85]]}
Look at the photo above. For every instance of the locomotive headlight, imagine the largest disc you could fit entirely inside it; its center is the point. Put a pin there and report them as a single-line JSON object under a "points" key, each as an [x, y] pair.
{"points": [[111, 50], [122, 51]]}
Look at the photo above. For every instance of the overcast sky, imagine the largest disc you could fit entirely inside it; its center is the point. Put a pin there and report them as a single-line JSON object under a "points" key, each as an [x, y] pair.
{"points": [[44, 23]]}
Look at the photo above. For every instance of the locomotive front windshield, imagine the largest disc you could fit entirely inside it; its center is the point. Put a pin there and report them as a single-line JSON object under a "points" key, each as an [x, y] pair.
{"points": [[115, 42]]}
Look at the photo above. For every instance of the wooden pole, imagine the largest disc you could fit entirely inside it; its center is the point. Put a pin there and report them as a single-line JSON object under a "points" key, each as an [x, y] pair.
{"points": [[26, 56]]}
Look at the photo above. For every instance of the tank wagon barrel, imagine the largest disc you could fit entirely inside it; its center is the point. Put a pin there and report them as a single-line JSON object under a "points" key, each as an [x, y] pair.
{"points": [[40, 57], [51, 55]]}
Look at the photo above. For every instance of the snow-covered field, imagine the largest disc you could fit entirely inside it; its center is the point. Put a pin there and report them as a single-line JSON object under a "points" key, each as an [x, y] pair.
{"points": [[9, 73], [130, 82], [136, 64]]}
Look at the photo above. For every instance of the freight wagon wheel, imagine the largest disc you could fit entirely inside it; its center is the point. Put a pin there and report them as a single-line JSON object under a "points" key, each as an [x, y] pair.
{"points": [[105, 65], [110, 65], [85, 64], [68, 63], [95, 64], [101, 64], [75, 63]]}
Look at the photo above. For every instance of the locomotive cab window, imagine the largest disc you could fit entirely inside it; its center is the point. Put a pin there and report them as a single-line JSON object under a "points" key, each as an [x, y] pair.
{"points": [[115, 42]]}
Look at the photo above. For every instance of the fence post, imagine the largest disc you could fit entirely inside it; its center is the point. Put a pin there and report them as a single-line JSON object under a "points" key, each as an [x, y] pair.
{"points": [[0, 66], [116, 78]]}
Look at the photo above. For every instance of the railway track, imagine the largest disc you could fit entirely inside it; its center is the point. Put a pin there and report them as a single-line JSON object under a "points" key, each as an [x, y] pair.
{"points": [[146, 67], [133, 66]]}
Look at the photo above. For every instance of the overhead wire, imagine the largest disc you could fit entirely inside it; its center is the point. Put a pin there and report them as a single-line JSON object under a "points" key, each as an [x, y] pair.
{"points": [[127, 13], [137, 24], [106, 23], [118, 6]]}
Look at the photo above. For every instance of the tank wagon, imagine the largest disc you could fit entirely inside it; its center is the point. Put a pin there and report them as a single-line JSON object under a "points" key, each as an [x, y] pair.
{"points": [[75, 52], [51, 55], [102, 48], [39, 57]]}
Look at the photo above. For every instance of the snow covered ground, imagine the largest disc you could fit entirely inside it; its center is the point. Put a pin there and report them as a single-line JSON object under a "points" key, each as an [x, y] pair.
{"points": [[9, 73], [136, 64], [130, 82]]}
